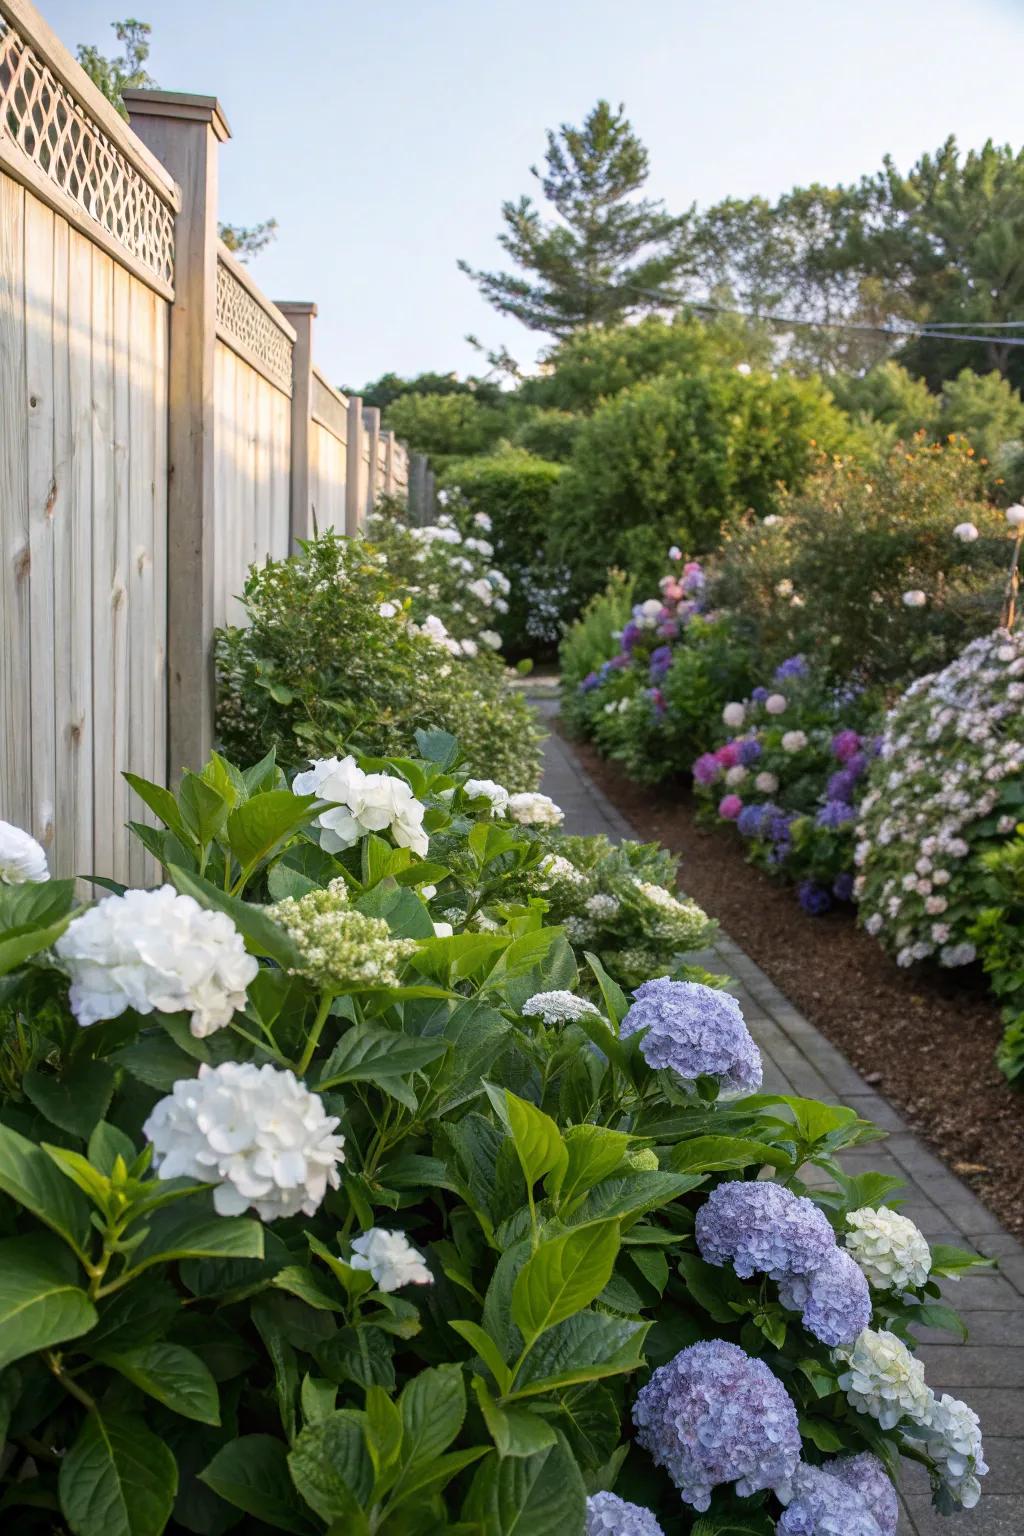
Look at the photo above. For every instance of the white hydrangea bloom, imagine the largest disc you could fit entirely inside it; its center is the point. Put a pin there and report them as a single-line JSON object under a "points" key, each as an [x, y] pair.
{"points": [[735, 775], [487, 789], [889, 1248], [1015, 515], [482, 520], [491, 638], [884, 1380], [481, 589], [965, 532], [733, 715], [602, 906], [367, 802], [953, 1440], [443, 930], [776, 704], [766, 783], [554, 870], [21, 858], [794, 741], [390, 1258], [255, 1132], [534, 810], [558, 1007], [156, 950], [915, 598]]}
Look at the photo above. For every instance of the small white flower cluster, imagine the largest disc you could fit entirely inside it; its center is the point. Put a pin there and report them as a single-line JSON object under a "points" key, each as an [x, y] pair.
{"points": [[156, 950], [256, 1133], [436, 630], [366, 802], [950, 744], [390, 1258], [22, 859], [554, 872], [487, 789], [558, 1007], [339, 947], [668, 920], [891, 1251], [884, 1380], [532, 809]]}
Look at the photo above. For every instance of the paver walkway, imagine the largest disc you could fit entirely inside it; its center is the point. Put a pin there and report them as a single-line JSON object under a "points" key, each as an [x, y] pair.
{"points": [[987, 1371]]}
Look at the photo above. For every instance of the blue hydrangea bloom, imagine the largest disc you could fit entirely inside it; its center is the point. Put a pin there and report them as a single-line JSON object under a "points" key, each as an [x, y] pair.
{"points": [[713, 1415], [793, 666], [868, 1476], [842, 886], [750, 751], [608, 1515], [759, 694], [813, 897], [695, 1031], [749, 820], [834, 1299], [761, 1228], [835, 814], [823, 1505], [660, 661]]}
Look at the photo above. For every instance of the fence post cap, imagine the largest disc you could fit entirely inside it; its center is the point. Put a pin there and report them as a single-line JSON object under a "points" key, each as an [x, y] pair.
{"points": [[296, 306], [179, 104]]}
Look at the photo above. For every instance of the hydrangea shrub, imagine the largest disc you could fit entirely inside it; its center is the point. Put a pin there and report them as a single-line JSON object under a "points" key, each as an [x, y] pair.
{"points": [[353, 1195]]}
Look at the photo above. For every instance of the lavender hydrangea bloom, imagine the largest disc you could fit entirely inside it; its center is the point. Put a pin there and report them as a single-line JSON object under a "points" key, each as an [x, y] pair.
{"points": [[793, 666], [750, 751], [842, 886], [825, 1505], [590, 682], [630, 635], [608, 1515], [867, 1474], [714, 1415], [814, 898], [759, 694], [696, 1031], [660, 661], [750, 820], [761, 1228], [834, 1299], [835, 814], [841, 785]]}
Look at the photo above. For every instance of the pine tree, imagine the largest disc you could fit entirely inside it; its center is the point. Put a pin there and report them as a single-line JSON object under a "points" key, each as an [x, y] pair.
{"points": [[607, 255]]}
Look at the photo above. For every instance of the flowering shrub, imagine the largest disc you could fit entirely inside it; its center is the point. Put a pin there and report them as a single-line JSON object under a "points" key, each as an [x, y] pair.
{"points": [[946, 790], [329, 661], [998, 934], [366, 1202]]}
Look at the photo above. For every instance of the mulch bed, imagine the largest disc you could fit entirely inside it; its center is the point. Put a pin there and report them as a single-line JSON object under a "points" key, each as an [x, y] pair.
{"points": [[924, 1040]]}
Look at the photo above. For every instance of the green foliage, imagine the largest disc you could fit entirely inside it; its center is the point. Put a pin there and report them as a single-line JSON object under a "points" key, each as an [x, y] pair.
{"points": [[185, 1370], [828, 579], [890, 396], [547, 433], [516, 491], [127, 71], [989, 412], [679, 458], [319, 668], [445, 425], [591, 265], [590, 640], [998, 934]]}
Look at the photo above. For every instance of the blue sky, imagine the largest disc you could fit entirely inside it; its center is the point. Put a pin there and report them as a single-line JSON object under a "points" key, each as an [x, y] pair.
{"points": [[384, 136]]}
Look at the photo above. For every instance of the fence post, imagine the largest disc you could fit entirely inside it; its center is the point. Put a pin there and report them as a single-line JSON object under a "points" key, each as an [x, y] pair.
{"points": [[389, 462], [430, 497], [185, 132], [371, 421], [354, 498], [301, 316], [418, 488]]}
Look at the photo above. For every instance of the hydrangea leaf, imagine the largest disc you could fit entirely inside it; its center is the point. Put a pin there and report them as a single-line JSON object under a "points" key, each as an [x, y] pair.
{"points": [[173, 1375], [40, 1302], [563, 1276], [118, 1479], [252, 1473]]}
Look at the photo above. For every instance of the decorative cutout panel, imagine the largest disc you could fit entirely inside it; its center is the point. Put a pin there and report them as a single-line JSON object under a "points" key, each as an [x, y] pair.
{"points": [[55, 132], [240, 316]]}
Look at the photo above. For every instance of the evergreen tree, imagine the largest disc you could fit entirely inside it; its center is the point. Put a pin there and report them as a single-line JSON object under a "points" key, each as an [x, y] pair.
{"points": [[598, 262]]}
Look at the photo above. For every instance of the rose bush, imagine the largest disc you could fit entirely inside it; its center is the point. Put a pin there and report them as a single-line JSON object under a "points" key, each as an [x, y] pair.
{"points": [[367, 1202]]}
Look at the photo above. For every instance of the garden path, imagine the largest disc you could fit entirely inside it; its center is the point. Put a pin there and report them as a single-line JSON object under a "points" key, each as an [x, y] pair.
{"points": [[987, 1371]]}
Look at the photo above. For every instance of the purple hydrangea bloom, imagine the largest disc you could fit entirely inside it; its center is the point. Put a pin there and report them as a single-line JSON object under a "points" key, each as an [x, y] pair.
{"points": [[608, 1515], [750, 820], [868, 1476], [842, 886], [713, 1415], [694, 580], [835, 814], [778, 824], [630, 635], [668, 629], [661, 660], [695, 1031], [824, 1505], [845, 744], [590, 681], [759, 694], [841, 785], [750, 751], [657, 702], [761, 1228], [793, 666], [833, 1299], [707, 768], [618, 662]]}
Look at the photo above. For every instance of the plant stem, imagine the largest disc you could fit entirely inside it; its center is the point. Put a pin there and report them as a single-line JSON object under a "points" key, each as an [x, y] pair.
{"points": [[67, 1383], [302, 1065]]}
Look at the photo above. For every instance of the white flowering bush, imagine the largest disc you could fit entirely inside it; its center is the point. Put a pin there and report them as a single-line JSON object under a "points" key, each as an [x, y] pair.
{"points": [[946, 790], [344, 1189]]}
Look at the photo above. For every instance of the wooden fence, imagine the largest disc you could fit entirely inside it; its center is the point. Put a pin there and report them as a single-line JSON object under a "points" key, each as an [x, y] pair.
{"points": [[162, 426]]}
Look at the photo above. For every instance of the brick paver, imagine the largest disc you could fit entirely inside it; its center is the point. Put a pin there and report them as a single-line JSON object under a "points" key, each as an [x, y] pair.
{"points": [[987, 1371]]}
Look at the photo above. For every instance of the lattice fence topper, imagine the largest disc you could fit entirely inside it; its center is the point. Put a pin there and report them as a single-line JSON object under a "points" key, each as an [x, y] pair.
{"points": [[244, 319], [55, 132]]}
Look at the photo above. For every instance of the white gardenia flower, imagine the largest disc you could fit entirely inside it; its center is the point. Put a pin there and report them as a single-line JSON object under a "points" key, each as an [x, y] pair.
{"points": [[558, 1007], [22, 859], [491, 638], [532, 809], [1015, 515], [776, 704], [733, 715], [390, 1258], [487, 789], [367, 802], [766, 783], [884, 1379], [156, 950], [965, 532], [890, 1250], [794, 741], [255, 1132], [915, 598]]}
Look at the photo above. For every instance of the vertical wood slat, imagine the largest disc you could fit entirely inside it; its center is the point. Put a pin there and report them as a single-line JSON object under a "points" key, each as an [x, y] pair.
{"points": [[103, 558], [158, 501], [123, 661], [15, 641], [39, 397], [141, 579], [78, 728]]}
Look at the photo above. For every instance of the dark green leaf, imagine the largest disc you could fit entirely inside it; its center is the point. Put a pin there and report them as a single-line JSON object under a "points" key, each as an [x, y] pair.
{"points": [[118, 1479], [173, 1375], [252, 1474], [40, 1303]]}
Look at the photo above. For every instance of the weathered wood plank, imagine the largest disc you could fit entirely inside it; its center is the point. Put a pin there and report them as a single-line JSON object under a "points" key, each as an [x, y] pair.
{"points": [[74, 600], [122, 659], [159, 494], [104, 517], [39, 369], [15, 638], [140, 578]]}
